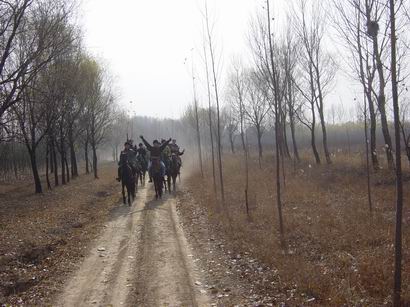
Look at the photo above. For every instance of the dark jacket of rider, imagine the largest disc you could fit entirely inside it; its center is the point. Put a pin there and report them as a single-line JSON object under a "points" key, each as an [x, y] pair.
{"points": [[127, 156], [155, 151]]}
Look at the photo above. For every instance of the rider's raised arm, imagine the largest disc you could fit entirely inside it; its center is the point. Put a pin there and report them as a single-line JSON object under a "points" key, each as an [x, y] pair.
{"points": [[148, 145], [162, 147]]}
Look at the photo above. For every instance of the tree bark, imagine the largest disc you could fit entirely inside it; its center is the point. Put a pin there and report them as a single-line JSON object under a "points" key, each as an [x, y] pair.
{"points": [[95, 161], [381, 101], [293, 134], [277, 109], [62, 160], [55, 163], [47, 164], [73, 158], [34, 168], [399, 175], [259, 137], [87, 162]]}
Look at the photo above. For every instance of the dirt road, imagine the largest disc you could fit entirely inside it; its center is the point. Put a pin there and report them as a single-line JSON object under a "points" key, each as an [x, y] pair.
{"points": [[142, 258]]}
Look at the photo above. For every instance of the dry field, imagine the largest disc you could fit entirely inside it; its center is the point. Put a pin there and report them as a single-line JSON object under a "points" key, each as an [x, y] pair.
{"points": [[43, 236], [337, 252]]}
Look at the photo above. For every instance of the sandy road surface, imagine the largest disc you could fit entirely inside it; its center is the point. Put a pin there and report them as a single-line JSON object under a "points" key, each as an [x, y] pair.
{"points": [[141, 259]]}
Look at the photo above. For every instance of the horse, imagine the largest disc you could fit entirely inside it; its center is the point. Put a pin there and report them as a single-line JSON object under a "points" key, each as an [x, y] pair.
{"points": [[167, 182], [128, 181], [173, 171], [157, 177], [142, 169]]}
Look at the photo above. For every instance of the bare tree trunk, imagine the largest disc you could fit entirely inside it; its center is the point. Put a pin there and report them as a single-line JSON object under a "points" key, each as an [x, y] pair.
{"points": [[277, 108], [210, 117], [285, 135], [399, 179], [259, 137], [73, 158], [34, 168], [324, 135], [231, 142], [293, 134], [94, 160], [211, 51], [320, 108], [198, 133], [55, 163], [373, 122], [87, 162], [246, 155], [47, 164], [66, 167], [381, 101], [62, 158], [366, 136], [198, 137]]}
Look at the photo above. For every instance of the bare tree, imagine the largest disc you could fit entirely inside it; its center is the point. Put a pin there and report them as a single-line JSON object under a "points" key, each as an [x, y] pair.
{"points": [[211, 48], [399, 176], [277, 106], [321, 67], [198, 134], [231, 126], [98, 109], [208, 88], [290, 63], [256, 106], [349, 22], [237, 92]]}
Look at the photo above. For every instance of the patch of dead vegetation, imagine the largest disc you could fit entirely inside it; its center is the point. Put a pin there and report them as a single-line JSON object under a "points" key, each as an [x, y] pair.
{"points": [[42, 237], [337, 252]]}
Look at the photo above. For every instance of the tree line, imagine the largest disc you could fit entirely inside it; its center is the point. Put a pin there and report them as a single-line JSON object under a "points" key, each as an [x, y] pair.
{"points": [[286, 84], [55, 98]]}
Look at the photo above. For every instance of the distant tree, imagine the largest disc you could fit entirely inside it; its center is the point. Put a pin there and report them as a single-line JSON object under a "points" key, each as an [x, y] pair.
{"points": [[231, 126], [319, 65], [256, 106]]}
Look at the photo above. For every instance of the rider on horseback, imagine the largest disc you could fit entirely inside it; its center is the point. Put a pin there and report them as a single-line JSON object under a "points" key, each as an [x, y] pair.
{"points": [[127, 156], [142, 153], [166, 155], [175, 151], [156, 149]]}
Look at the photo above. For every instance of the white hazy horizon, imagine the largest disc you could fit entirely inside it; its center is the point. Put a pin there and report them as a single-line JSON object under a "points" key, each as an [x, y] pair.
{"points": [[145, 44]]}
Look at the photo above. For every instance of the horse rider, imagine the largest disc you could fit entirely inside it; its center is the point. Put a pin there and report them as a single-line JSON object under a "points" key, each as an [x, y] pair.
{"points": [[155, 150], [166, 155], [127, 155], [175, 151], [142, 155]]}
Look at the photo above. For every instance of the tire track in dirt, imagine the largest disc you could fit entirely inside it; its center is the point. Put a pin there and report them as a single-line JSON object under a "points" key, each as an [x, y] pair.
{"points": [[141, 258], [166, 274], [105, 273]]}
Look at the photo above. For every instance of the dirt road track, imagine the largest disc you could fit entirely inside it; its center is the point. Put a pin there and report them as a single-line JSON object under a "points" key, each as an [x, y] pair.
{"points": [[141, 259]]}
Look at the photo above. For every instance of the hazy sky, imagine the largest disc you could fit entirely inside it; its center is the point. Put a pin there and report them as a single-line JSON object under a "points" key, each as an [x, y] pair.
{"points": [[145, 43]]}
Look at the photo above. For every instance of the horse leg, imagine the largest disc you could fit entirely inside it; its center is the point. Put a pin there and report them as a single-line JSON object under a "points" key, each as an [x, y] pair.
{"points": [[156, 187], [123, 192], [174, 179], [161, 187], [169, 183], [129, 192]]}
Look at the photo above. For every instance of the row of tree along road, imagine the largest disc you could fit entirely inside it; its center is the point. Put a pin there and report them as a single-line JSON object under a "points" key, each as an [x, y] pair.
{"points": [[293, 69], [54, 97]]}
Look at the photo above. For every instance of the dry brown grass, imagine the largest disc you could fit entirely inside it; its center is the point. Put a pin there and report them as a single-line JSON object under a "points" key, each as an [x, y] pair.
{"points": [[43, 236], [336, 251]]}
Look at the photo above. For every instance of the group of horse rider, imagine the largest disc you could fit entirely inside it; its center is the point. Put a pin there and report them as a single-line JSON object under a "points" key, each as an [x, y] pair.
{"points": [[147, 154]]}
